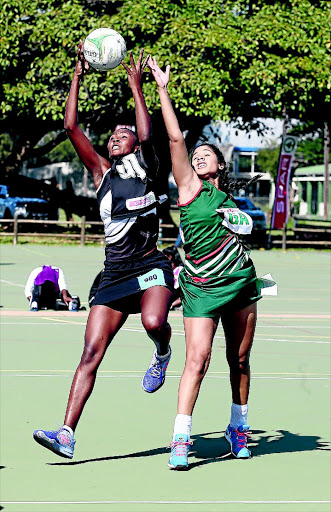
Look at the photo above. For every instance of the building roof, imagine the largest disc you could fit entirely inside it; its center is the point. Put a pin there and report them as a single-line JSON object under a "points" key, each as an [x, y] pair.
{"points": [[312, 170], [247, 149]]}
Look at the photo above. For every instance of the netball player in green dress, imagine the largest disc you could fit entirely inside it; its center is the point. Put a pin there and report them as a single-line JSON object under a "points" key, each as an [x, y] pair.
{"points": [[218, 281]]}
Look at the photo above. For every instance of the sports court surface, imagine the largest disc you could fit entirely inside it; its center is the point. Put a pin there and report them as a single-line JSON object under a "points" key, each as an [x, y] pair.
{"points": [[121, 454]]}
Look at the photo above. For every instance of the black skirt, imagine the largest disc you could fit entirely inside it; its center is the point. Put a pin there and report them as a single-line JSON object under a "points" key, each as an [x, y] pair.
{"points": [[123, 283]]}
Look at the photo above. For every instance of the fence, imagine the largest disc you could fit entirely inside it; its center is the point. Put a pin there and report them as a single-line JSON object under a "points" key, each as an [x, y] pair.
{"points": [[79, 230], [305, 233]]}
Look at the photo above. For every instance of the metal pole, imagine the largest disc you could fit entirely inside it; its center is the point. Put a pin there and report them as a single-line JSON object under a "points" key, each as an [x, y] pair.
{"points": [[326, 170], [284, 237]]}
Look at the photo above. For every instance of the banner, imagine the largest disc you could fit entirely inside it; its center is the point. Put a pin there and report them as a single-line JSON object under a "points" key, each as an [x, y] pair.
{"points": [[280, 209]]}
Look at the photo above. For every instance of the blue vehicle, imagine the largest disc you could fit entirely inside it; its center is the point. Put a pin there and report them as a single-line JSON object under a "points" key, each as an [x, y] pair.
{"points": [[14, 200], [258, 216]]}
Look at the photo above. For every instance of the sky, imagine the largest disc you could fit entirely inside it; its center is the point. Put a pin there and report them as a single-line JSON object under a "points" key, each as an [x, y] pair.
{"points": [[228, 134]]}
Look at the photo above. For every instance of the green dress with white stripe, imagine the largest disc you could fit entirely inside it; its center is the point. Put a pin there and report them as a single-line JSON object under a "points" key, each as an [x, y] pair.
{"points": [[217, 268]]}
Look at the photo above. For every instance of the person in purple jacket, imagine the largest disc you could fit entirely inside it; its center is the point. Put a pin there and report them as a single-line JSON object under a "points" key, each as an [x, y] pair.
{"points": [[46, 289]]}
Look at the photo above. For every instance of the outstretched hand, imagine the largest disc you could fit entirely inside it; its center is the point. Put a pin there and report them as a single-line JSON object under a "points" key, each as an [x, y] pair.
{"points": [[161, 77], [135, 71], [81, 65]]}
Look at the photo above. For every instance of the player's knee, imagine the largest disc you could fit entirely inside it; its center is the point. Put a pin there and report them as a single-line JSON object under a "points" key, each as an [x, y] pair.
{"points": [[244, 363], [91, 355], [240, 363], [154, 324], [198, 364]]}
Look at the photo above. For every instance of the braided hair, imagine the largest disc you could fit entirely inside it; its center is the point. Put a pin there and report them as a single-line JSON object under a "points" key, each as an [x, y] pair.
{"points": [[226, 184]]}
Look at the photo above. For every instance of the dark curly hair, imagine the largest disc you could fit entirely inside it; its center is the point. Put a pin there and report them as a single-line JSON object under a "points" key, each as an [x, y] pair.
{"points": [[226, 184]]}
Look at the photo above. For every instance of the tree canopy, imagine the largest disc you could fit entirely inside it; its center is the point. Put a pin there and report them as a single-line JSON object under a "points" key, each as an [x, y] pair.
{"points": [[229, 59]]}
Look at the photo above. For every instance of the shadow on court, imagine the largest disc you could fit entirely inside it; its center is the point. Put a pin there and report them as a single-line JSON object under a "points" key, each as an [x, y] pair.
{"points": [[216, 449], [260, 442]]}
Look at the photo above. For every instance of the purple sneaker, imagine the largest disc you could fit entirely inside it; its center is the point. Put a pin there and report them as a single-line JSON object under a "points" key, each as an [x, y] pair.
{"points": [[155, 376], [60, 442]]}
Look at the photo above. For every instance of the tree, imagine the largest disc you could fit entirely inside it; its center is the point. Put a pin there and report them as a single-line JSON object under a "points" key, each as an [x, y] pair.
{"points": [[230, 59], [267, 159]]}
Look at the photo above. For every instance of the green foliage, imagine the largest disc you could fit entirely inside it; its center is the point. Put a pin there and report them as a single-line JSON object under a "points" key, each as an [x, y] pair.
{"points": [[310, 151], [267, 159], [228, 59]]}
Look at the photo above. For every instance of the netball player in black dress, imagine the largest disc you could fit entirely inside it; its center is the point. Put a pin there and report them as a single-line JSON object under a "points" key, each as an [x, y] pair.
{"points": [[136, 277]]}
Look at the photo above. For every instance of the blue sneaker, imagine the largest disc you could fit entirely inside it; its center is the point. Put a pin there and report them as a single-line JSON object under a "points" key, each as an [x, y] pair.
{"points": [[60, 442], [179, 452], [155, 376], [237, 438]]}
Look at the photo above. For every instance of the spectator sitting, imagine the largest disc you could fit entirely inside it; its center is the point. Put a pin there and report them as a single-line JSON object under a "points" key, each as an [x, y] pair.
{"points": [[46, 289]]}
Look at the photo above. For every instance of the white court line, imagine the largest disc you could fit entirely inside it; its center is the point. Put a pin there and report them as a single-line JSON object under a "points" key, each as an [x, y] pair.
{"points": [[297, 374], [165, 502], [221, 337], [12, 284], [139, 374], [257, 338]]}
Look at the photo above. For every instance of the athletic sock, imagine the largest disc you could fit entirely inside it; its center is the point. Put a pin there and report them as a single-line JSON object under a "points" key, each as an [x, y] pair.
{"points": [[162, 358], [69, 429], [238, 415], [183, 425]]}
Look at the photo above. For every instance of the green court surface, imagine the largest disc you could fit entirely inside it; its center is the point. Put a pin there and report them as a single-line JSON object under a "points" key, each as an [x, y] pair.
{"points": [[121, 454]]}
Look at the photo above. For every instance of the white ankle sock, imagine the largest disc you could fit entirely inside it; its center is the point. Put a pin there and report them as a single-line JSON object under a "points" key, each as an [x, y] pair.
{"points": [[69, 429], [238, 415], [162, 358], [183, 425]]}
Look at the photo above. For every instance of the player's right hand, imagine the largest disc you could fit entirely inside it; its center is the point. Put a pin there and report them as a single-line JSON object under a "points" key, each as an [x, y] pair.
{"points": [[161, 77]]}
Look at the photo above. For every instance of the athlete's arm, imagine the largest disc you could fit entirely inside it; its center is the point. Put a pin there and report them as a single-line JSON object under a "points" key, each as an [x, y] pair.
{"points": [[95, 164], [135, 72], [187, 181]]}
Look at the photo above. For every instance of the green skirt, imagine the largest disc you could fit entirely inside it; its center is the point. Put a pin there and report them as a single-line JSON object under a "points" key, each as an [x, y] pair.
{"points": [[229, 292]]}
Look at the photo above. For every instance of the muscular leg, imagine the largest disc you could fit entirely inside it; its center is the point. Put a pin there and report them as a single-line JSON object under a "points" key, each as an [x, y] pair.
{"points": [[155, 305], [102, 325], [199, 333], [239, 330]]}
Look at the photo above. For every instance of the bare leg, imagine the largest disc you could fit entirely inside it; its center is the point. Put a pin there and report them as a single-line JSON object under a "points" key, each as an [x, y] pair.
{"points": [[239, 328], [155, 305], [199, 333], [102, 325]]}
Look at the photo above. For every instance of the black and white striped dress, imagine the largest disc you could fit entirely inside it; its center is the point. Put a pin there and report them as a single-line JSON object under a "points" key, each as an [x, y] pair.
{"points": [[128, 208]]}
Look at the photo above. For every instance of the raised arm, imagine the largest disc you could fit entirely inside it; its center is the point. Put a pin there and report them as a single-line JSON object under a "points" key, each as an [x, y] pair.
{"points": [[187, 181], [89, 157], [135, 73]]}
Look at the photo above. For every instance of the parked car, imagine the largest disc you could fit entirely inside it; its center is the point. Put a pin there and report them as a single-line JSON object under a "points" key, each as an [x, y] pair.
{"points": [[258, 216], [15, 200]]}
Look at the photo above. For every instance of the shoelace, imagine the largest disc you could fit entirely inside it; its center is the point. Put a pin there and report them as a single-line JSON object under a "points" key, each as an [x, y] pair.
{"points": [[242, 437], [180, 447], [156, 370], [69, 439]]}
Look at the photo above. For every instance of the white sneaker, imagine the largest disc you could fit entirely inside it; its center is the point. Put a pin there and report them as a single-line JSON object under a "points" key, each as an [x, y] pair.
{"points": [[34, 306]]}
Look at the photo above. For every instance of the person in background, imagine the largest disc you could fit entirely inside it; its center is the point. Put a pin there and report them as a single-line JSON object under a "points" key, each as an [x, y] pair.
{"points": [[46, 289], [173, 255]]}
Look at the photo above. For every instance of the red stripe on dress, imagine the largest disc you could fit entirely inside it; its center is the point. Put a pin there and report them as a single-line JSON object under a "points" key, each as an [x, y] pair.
{"points": [[225, 240], [190, 201], [200, 279]]}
